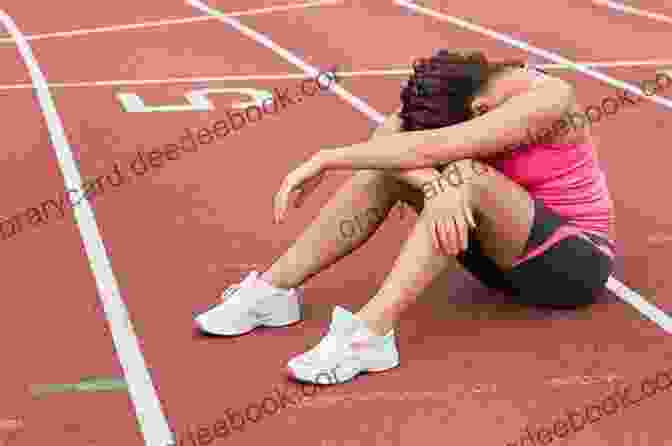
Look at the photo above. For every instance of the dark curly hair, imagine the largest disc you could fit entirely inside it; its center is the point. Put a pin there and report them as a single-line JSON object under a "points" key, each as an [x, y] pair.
{"points": [[440, 90]]}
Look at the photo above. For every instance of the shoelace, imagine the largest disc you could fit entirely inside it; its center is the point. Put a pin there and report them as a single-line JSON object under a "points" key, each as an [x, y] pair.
{"points": [[330, 351], [230, 291]]}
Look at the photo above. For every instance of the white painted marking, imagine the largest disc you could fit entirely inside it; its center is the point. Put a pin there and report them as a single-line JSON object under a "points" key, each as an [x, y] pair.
{"points": [[583, 380], [251, 12], [634, 11], [537, 51], [173, 80], [147, 406], [198, 100], [615, 64], [642, 305], [325, 400], [132, 103], [357, 103], [258, 96], [287, 76]]}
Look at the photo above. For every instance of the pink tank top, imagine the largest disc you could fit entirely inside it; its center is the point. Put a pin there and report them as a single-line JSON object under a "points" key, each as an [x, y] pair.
{"points": [[567, 179]]}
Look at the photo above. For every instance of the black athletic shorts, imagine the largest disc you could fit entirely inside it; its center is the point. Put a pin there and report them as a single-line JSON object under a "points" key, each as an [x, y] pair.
{"points": [[571, 273]]}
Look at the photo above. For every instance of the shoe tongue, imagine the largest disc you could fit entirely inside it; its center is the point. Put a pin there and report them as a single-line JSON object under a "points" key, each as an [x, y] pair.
{"points": [[254, 279], [250, 279], [343, 322]]}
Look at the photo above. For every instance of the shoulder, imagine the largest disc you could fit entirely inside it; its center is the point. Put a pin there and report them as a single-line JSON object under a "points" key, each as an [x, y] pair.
{"points": [[541, 79], [577, 135], [559, 87]]}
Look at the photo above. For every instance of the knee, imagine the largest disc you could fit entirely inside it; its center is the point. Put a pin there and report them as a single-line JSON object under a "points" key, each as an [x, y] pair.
{"points": [[466, 174], [388, 185], [385, 181], [372, 177]]}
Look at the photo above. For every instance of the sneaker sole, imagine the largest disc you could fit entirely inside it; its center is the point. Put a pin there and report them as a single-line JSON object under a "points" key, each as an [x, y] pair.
{"points": [[295, 377], [246, 331]]}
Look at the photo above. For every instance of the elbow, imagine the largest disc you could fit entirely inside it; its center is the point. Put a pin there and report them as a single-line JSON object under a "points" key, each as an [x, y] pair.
{"points": [[559, 97], [566, 95]]}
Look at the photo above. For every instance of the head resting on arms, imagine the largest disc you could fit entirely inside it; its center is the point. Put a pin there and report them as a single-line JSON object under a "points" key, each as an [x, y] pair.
{"points": [[449, 88]]}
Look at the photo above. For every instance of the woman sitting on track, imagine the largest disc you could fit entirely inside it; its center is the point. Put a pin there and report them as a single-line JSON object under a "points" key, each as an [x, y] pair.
{"points": [[533, 220]]}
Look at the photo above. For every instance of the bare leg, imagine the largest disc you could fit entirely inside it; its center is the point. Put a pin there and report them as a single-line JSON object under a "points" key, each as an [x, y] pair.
{"points": [[323, 243], [504, 212]]}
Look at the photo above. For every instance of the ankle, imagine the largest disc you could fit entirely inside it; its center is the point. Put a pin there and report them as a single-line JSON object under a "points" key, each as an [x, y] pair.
{"points": [[376, 326], [268, 279]]}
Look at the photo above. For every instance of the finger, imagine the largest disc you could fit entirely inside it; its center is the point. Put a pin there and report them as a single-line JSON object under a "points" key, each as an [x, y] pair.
{"points": [[435, 236], [462, 231], [281, 203], [457, 233], [306, 190], [467, 233], [471, 219], [447, 237], [454, 235], [438, 241], [470, 215], [441, 243], [300, 198], [276, 207], [302, 194]]}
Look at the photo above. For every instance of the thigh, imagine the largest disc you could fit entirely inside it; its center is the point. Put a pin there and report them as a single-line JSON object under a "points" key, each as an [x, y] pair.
{"points": [[504, 212], [509, 224], [383, 190], [571, 273]]}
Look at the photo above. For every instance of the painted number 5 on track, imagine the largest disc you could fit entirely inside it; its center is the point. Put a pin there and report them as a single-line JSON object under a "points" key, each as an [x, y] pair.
{"points": [[197, 100]]}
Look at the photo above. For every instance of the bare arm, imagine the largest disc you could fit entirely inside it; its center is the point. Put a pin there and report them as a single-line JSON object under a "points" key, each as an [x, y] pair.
{"points": [[415, 177], [501, 129]]}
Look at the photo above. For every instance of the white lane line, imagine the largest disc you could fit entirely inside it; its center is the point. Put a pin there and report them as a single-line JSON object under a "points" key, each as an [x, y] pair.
{"points": [[143, 396], [287, 76], [634, 11], [622, 291], [662, 319], [251, 12], [616, 64], [357, 103], [536, 51]]}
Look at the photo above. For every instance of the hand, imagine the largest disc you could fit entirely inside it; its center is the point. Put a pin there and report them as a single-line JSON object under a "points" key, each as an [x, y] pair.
{"points": [[448, 217], [304, 180]]}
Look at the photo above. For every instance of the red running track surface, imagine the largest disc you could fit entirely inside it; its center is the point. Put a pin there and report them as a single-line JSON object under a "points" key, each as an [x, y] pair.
{"points": [[475, 369]]}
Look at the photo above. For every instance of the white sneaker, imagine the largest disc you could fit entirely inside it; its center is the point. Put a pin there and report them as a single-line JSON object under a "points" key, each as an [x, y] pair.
{"points": [[348, 349], [250, 304]]}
